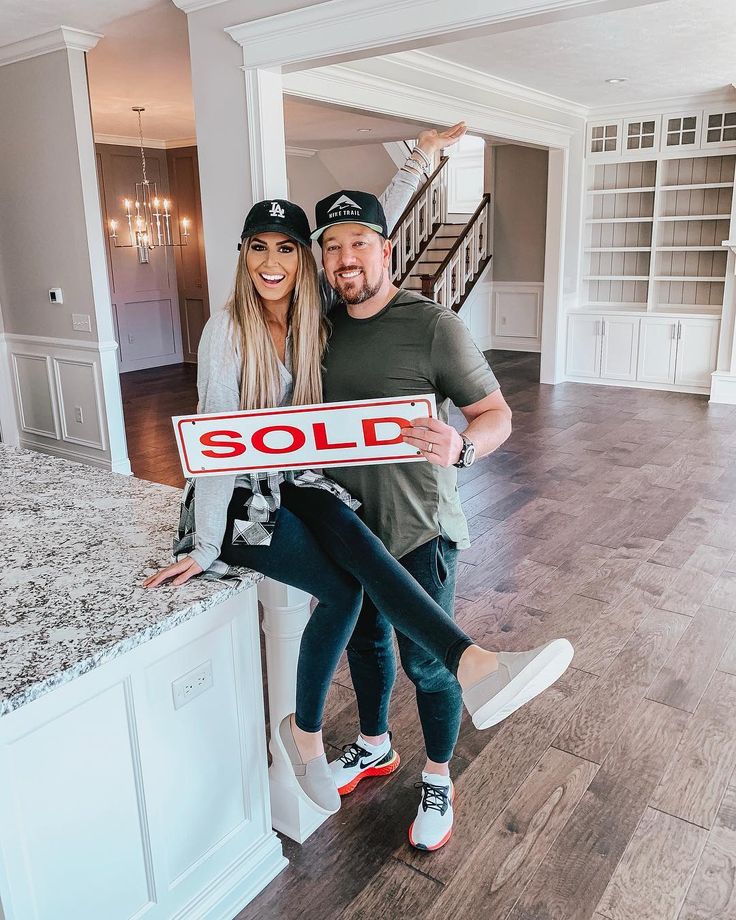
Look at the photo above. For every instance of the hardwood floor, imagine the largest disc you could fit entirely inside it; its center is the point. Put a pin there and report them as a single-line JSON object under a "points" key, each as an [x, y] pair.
{"points": [[609, 517]]}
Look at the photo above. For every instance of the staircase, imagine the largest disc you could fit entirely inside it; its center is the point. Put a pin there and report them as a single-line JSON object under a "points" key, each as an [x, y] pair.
{"points": [[439, 259]]}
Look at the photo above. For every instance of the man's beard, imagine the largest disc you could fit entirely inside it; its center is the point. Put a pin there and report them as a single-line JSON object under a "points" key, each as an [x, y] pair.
{"points": [[355, 295]]}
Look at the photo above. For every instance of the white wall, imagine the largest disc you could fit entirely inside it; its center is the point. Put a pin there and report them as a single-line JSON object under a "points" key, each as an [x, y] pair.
{"points": [[67, 394]]}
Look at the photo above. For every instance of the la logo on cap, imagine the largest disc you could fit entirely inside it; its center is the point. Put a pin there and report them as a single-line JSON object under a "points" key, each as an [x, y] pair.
{"points": [[344, 203], [276, 210]]}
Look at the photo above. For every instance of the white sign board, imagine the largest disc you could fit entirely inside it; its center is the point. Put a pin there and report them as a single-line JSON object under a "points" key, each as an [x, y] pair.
{"points": [[359, 432]]}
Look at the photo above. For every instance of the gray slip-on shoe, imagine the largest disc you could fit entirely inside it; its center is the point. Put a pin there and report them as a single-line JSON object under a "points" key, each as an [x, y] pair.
{"points": [[313, 780], [519, 678]]}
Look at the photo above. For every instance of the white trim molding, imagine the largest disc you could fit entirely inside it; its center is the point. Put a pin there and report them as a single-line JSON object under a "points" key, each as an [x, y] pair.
{"points": [[352, 85], [317, 35], [63, 38], [723, 388], [155, 143], [427, 63]]}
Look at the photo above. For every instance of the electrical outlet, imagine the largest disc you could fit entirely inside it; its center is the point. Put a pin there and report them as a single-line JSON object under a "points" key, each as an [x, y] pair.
{"points": [[191, 685], [81, 322], [78, 417], [131, 338]]}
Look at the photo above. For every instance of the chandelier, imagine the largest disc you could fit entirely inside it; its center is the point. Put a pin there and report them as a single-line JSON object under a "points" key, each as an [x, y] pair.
{"points": [[148, 217]]}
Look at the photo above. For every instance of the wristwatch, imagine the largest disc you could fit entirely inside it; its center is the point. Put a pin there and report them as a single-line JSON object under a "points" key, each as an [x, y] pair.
{"points": [[467, 454]]}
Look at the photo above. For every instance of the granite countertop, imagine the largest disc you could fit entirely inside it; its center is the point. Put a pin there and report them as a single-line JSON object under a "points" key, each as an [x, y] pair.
{"points": [[77, 542]]}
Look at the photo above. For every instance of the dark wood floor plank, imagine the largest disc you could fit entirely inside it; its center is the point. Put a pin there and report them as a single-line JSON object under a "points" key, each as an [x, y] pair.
{"points": [[489, 882], [395, 893], [604, 713], [700, 771], [712, 893], [576, 871], [687, 672], [653, 876], [608, 633], [723, 592]]}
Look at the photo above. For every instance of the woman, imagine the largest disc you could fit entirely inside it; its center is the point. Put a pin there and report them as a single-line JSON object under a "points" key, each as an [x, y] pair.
{"points": [[265, 350]]}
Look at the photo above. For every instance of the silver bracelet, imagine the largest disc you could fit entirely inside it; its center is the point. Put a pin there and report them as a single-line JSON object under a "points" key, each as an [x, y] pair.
{"points": [[423, 155], [413, 166]]}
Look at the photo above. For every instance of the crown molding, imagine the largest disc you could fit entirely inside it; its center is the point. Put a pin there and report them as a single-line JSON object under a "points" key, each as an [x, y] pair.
{"points": [[191, 6], [316, 35], [347, 85], [124, 140], [426, 63], [300, 152], [63, 38], [662, 104]]}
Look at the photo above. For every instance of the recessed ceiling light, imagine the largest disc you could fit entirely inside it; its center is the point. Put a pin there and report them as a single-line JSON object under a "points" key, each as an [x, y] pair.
{"points": [[617, 80], [365, 130]]}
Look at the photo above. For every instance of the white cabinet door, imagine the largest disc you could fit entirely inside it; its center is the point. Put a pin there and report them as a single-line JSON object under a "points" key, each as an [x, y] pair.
{"points": [[584, 346], [697, 349], [620, 347], [657, 347]]}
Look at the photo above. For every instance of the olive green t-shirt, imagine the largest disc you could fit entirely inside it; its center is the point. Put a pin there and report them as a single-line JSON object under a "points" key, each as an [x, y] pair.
{"points": [[413, 346]]}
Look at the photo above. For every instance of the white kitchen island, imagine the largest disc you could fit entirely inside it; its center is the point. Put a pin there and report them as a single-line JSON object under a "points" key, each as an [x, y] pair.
{"points": [[133, 770]]}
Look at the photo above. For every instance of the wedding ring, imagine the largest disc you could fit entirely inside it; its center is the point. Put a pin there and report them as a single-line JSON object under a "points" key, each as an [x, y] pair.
{"points": [[430, 448]]}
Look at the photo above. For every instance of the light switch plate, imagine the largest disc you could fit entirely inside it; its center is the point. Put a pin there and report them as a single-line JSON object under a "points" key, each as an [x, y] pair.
{"points": [[81, 322]]}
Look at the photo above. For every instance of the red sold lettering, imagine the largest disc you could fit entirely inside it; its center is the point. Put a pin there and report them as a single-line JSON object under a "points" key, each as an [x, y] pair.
{"points": [[369, 431], [209, 439], [299, 439], [322, 442]]}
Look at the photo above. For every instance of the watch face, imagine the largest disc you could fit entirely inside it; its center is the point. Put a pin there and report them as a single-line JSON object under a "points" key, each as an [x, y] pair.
{"points": [[469, 454]]}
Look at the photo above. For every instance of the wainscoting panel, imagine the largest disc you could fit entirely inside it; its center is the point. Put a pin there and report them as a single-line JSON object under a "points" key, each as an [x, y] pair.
{"points": [[517, 315], [35, 394], [195, 315], [147, 330], [59, 396], [80, 402]]}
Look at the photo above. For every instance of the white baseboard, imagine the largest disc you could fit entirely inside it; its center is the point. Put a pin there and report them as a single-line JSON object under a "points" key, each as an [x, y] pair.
{"points": [[723, 388], [639, 385]]}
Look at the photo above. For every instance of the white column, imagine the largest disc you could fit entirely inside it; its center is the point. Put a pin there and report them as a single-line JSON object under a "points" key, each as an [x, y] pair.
{"points": [[285, 614], [553, 316]]}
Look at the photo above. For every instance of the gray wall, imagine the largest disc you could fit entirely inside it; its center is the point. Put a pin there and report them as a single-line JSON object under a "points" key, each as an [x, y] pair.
{"points": [[43, 236], [519, 213]]}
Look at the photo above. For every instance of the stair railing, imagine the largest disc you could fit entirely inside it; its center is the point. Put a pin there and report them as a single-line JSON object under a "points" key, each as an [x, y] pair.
{"points": [[469, 255], [421, 219]]}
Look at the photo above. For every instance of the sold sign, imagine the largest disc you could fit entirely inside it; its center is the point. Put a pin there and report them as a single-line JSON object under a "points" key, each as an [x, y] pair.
{"points": [[355, 433]]}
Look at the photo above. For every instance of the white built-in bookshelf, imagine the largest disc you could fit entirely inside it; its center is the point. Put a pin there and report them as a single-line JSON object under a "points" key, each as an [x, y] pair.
{"points": [[659, 250], [653, 233]]}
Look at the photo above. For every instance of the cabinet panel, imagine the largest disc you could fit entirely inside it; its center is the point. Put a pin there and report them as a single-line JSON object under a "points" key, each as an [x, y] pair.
{"points": [[657, 346], [584, 346], [697, 349], [620, 346]]}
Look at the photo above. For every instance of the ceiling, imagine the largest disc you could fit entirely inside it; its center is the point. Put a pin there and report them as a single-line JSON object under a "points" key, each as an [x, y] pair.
{"points": [[666, 49]]}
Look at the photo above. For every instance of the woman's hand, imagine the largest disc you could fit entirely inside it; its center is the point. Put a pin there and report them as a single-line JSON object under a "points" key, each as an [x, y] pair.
{"points": [[432, 140], [180, 572]]}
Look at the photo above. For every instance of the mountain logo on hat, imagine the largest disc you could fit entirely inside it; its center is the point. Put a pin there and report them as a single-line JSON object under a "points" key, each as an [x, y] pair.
{"points": [[276, 210], [343, 206]]}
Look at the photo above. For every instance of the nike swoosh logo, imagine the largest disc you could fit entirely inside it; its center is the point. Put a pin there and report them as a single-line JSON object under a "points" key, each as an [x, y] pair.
{"points": [[368, 763]]}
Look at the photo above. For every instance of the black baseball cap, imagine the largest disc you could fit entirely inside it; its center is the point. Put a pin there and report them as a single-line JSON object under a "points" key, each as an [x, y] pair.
{"points": [[276, 215], [349, 207]]}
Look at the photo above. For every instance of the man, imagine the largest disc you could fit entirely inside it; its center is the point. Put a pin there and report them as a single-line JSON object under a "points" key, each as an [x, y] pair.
{"points": [[387, 342]]}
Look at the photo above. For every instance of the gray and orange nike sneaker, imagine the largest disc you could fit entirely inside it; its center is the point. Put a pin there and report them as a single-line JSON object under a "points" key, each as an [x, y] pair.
{"points": [[361, 760]]}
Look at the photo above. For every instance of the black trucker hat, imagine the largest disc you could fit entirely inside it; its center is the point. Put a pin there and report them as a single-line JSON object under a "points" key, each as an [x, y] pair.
{"points": [[346, 207], [277, 215]]}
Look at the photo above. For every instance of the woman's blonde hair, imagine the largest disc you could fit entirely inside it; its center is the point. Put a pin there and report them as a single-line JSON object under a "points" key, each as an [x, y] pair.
{"points": [[260, 386]]}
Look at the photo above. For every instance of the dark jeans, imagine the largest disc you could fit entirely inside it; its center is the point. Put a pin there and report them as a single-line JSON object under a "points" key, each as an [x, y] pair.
{"points": [[321, 546], [373, 664]]}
